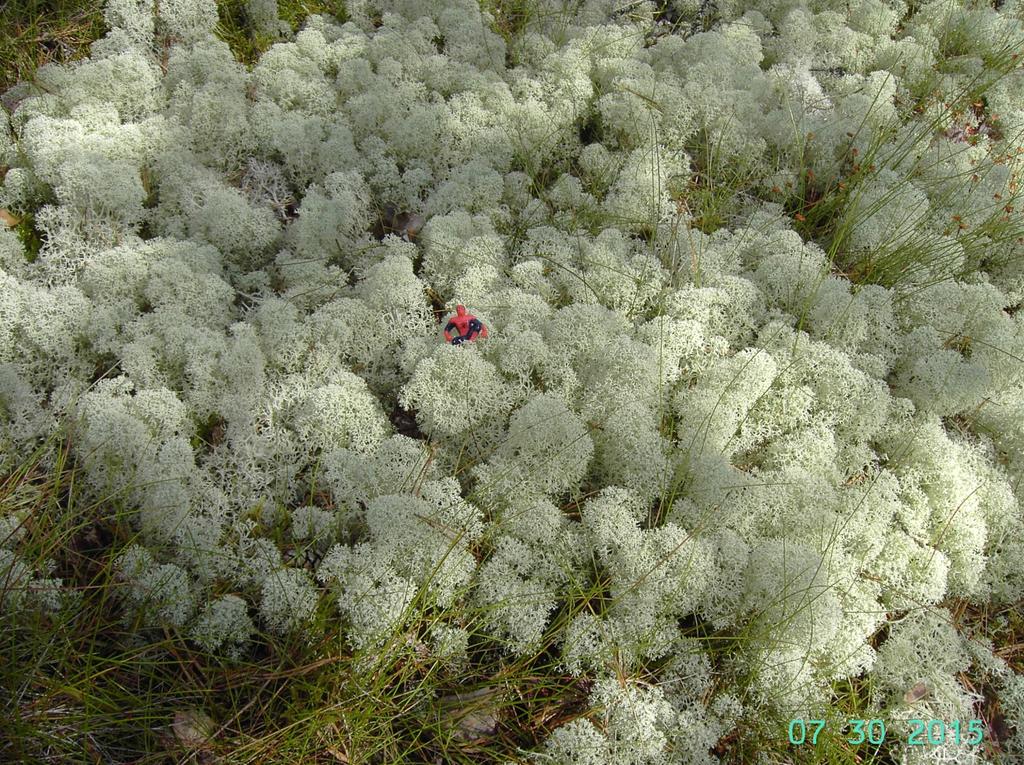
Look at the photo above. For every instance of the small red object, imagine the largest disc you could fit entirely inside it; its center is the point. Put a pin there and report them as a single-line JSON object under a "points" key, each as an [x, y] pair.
{"points": [[466, 324]]}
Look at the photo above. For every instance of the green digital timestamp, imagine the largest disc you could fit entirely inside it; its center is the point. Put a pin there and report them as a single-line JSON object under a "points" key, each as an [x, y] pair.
{"points": [[922, 732]]}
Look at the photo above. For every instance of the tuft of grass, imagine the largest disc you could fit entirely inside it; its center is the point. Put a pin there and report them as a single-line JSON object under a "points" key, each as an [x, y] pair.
{"points": [[38, 32], [511, 17], [1003, 624], [248, 44], [29, 237], [830, 221], [73, 688]]}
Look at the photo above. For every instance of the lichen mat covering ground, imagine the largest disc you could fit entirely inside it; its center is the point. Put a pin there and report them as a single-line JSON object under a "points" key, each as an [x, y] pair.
{"points": [[741, 449]]}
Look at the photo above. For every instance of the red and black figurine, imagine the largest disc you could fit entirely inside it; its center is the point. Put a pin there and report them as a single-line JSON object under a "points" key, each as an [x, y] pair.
{"points": [[466, 324]]}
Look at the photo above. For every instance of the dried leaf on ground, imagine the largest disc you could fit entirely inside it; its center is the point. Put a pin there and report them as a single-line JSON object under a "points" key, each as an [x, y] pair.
{"points": [[474, 714], [193, 728]]}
